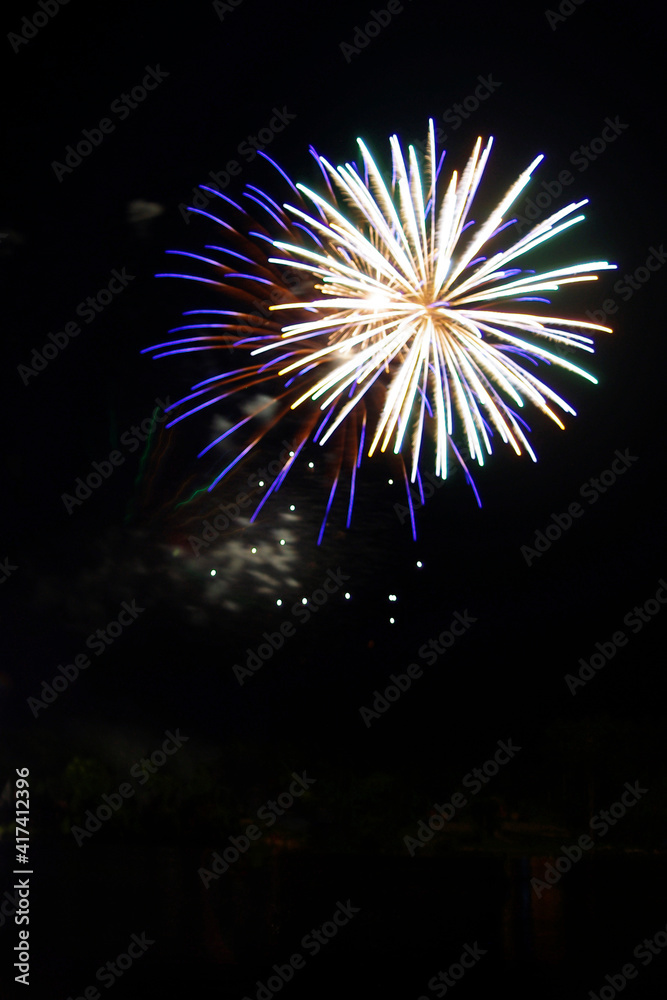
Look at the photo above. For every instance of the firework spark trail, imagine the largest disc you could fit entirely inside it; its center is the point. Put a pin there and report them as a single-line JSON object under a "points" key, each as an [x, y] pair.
{"points": [[399, 317]]}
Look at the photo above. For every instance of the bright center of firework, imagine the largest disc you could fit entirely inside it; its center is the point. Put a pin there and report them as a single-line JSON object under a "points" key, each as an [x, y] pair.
{"points": [[378, 301], [406, 296]]}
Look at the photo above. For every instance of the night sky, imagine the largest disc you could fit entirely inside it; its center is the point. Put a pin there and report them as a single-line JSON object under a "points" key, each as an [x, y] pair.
{"points": [[580, 84]]}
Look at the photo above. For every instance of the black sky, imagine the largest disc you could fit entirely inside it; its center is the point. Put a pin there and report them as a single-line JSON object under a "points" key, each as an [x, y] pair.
{"points": [[557, 83]]}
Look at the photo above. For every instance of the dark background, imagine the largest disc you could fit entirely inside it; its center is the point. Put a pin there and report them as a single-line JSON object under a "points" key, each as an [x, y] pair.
{"points": [[173, 667]]}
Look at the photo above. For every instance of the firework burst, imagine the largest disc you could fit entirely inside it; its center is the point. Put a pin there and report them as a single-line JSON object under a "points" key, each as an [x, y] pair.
{"points": [[402, 323]]}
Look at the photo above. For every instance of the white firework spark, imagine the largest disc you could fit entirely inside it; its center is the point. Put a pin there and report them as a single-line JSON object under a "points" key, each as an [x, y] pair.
{"points": [[401, 294], [403, 308]]}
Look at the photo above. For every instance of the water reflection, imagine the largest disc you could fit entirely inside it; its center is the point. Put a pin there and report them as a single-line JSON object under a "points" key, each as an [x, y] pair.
{"points": [[415, 914], [533, 929]]}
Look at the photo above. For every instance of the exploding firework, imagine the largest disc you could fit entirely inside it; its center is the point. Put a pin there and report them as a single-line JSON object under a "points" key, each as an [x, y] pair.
{"points": [[404, 324]]}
